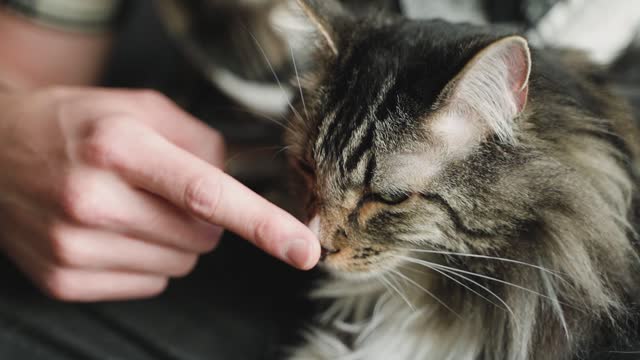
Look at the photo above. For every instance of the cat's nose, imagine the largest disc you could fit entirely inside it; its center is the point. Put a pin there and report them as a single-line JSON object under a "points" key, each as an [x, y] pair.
{"points": [[324, 252]]}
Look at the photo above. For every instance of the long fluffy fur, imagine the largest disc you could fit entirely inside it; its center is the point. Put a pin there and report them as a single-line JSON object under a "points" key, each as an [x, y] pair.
{"points": [[557, 204]]}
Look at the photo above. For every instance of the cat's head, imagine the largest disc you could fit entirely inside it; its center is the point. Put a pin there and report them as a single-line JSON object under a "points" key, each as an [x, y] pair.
{"points": [[408, 137]]}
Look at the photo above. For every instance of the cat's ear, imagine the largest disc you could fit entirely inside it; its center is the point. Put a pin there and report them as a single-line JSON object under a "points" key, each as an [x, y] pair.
{"points": [[330, 18], [493, 87]]}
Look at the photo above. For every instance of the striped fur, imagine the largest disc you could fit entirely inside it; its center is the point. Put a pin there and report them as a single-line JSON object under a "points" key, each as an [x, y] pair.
{"points": [[492, 233]]}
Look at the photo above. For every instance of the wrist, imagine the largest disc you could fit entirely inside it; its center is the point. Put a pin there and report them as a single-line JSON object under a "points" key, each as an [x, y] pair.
{"points": [[36, 56]]}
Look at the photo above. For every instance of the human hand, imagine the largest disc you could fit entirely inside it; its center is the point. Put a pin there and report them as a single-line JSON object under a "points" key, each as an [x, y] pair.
{"points": [[106, 194]]}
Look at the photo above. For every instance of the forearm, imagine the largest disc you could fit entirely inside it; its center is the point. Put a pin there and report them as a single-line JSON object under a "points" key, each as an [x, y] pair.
{"points": [[33, 56]]}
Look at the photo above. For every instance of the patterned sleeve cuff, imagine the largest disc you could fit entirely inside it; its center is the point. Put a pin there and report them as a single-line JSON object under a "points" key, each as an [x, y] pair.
{"points": [[70, 15]]}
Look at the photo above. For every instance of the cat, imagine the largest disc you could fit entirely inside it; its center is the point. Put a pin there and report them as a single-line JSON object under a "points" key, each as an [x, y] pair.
{"points": [[474, 198]]}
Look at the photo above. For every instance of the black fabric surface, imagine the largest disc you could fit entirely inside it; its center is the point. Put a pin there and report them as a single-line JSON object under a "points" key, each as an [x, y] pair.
{"points": [[238, 304]]}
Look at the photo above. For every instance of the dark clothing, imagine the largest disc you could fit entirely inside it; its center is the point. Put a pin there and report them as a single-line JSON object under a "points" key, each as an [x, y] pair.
{"points": [[238, 304]]}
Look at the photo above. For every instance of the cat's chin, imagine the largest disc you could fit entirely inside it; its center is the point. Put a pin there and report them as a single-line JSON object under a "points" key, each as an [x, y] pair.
{"points": [[357, 275]]}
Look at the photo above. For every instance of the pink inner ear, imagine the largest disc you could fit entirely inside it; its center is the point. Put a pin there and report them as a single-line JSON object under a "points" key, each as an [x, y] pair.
{"points": [[521, 98], [519, 67], [492, 89]]}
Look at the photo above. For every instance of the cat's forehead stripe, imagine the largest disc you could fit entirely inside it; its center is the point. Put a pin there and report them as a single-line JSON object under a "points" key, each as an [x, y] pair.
{"points": [[347, 134], [362, 136], [323, 129], [351, 161], [370, 170]]}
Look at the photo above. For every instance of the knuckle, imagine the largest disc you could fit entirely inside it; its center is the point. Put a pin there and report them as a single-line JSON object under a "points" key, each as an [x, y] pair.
{"points": [[159, 287], [80, 201], [152, 98], [56, 92], [73, 199], [64, 107], [63, 250], [217, 139], [218, 148], [202, 197], [186, 267], [56, 232], [263, 231], [101, 147], [205, 246], [210, 243], [60, 285], [209, 238]]}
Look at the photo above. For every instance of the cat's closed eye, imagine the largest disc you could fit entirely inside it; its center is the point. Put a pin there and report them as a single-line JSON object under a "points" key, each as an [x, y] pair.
{"points": [[387, 197]]}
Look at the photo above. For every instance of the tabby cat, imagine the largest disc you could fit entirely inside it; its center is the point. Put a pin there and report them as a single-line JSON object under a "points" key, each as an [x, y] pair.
{"points": [[474, 198]]}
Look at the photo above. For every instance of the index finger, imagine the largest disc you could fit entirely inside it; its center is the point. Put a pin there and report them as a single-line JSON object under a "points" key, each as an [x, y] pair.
{"points": [[153, 163], [154, 110]]}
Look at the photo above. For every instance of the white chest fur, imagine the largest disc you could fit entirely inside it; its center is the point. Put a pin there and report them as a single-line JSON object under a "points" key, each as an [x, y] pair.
{"points": [[393, 330]]}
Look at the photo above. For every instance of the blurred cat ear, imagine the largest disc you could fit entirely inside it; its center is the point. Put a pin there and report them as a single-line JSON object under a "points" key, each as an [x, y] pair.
{"points": [[494, 85], [330, 19]]}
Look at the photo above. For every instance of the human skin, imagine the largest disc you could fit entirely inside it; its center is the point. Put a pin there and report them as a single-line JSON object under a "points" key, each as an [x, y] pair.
{"points": [[105, 194]]}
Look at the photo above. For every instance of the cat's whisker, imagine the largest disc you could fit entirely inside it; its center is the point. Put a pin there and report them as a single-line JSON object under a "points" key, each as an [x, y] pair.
{"points": [[275, 75], [280, 151], [488, 257], [498, 297], [386, 285], [392, 289], [414, 283], [281, 122], [295, 68], [555, 303], [444, 273], [389, 285], [398, 284], [426, 264], [518, 287], [504, 305]]}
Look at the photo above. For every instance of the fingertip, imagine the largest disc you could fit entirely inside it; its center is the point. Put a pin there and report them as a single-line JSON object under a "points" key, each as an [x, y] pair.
{"points": [[304, 254], [314, 256], [315, 252]]}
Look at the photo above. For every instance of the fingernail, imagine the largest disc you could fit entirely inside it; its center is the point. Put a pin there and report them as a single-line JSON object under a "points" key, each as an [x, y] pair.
{"points": [[298, 253]]}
